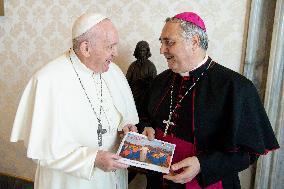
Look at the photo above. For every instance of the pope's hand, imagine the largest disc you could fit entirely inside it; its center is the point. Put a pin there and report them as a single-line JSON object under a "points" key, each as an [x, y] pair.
{"points": [[107, 161], [149, 132], [190, 166], [129, 128]]}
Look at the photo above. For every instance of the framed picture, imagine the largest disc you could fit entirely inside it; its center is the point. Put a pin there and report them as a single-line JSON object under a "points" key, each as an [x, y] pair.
{"points": [[136, 150], [1, 7]]}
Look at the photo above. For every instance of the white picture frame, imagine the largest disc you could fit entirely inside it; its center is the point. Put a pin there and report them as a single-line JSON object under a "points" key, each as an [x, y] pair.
{"points": [[136, 150]]}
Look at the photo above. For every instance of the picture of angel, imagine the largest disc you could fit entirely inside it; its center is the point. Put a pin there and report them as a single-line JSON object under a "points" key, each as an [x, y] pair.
{"points": [[138, 151]]}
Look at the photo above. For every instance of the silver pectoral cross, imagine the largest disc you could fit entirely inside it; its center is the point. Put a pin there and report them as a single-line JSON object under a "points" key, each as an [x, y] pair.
{"points": [[100, 132], [168, 123]]}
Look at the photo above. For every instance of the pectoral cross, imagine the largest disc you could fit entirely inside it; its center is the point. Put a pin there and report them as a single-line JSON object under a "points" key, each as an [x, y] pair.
{"points": [[168, 123], [100, 132]]}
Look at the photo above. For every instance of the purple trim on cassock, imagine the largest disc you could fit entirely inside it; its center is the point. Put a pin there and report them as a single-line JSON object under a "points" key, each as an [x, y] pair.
{"points": [[183, 150]]}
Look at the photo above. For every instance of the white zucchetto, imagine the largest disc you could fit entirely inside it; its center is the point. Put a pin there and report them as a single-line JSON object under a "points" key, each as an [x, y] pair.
{"points": [[85, 22]]}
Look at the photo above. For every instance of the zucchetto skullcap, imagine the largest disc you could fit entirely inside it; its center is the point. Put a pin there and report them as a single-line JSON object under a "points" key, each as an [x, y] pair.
{"points": [[85, 22], [193, 18]]}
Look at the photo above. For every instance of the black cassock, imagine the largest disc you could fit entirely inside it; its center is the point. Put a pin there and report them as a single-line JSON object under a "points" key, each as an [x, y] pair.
{"points": [[222, 118]]}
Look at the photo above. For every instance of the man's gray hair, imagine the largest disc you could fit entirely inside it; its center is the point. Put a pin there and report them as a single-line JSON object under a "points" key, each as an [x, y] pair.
{"points": [[87, 36], [190, 30]]}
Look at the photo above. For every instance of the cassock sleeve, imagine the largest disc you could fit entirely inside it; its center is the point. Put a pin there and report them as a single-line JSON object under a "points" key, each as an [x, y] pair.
{"points": [[252, 135], [79, 163], [218, 165]]}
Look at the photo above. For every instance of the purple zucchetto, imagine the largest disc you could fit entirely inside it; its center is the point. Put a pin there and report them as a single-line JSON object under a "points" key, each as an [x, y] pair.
{"points": [[193, 18]]}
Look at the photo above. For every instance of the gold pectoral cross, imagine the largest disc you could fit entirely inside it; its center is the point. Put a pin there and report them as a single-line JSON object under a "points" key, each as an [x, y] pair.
{"points": [[168, 123]]}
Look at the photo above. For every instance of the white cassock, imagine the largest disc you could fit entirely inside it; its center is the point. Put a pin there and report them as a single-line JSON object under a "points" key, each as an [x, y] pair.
{"points": [[59, 127]]}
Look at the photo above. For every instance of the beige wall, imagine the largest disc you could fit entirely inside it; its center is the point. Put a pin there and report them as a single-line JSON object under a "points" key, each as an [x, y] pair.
{"points": [[33, 32]]}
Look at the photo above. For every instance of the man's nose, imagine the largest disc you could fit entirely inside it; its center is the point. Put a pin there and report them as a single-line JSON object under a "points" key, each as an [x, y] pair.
{"points": [[163, 48]]}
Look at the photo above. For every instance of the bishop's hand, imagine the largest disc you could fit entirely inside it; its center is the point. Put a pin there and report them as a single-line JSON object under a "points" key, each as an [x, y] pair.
{"points": [[190, 167], [107, 161], [149, 132]]}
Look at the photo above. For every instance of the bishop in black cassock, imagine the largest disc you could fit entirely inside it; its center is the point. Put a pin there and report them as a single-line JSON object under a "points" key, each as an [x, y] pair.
{"points": [[210, 112]]}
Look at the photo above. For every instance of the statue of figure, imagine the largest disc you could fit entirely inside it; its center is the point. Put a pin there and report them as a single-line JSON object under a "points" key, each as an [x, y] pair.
{"points": [[140, 73]]}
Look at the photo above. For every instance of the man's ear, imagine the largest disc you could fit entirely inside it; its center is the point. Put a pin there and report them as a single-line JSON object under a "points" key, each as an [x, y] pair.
{"points": [[84, 48], [195, 42]]}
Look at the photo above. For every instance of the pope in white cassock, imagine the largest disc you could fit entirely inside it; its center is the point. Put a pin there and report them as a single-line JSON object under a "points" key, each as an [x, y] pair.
{"points": [[72, 109]]}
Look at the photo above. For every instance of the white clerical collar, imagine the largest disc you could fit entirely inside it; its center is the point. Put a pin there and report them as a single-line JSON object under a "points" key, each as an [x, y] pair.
{"points": [[79, 65], [200, 64]]}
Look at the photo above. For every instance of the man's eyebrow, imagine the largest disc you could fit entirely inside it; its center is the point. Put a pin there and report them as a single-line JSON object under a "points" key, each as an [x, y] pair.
{"points": [[164, 38]]}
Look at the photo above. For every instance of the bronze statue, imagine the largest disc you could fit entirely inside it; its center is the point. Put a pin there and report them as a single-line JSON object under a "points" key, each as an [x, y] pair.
{"points": [[140, 73]]}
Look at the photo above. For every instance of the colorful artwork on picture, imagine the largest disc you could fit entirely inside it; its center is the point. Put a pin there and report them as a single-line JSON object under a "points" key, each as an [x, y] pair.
{"points": [[137, 150]]}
